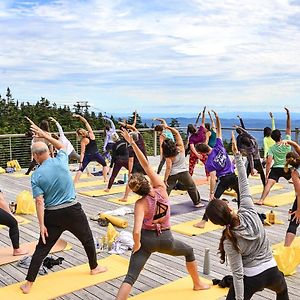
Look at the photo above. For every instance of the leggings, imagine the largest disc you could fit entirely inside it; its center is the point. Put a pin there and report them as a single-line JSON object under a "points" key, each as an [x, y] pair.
{"points": [[8, 220], [117, 167], [293, 224], [258, 166], [271, 279], [225, 182], [92, 157], [151, 242], [186, 183], [70, 218], [161, 164], [194, 160]]}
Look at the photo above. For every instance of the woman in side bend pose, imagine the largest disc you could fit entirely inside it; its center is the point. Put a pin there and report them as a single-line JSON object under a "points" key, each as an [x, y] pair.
{"points": [[293, 159], [8, 219], [245, 244], [151, 232], [108, 142], [89, 149]]}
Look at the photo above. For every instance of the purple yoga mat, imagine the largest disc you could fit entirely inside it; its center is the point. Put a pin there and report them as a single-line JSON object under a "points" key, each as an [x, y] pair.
{"points": [[185, 207]]}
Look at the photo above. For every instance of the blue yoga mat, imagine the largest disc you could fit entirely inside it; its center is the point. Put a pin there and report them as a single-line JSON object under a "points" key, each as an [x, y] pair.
{"points": [[185, 207]]}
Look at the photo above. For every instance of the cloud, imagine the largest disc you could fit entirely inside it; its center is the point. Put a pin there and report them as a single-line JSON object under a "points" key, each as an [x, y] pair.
{"points": [[123, 54]]}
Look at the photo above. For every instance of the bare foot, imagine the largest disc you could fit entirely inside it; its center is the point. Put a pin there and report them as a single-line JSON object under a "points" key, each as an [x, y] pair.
{"points": [[258, 202], [201, 286], [98, 269], [200, 224], [106, 190], [20, 251], [123, 199], [90, 175], [199, 205], [26, 287]]}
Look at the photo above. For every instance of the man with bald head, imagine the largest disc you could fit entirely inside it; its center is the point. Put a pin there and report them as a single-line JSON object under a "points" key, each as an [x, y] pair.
{"points": [[57, 210]]}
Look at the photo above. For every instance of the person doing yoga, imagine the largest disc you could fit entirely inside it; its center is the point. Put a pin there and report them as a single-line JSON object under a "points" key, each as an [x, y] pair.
{"points": [[151, 231], [245, 244]]}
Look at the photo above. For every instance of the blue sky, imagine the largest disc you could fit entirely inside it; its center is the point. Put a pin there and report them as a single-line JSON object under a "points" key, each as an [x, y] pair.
{"points": [[167, 57]]}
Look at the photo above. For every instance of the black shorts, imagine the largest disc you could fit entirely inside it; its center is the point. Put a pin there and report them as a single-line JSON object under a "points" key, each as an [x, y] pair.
{"points": [[276, 173]]}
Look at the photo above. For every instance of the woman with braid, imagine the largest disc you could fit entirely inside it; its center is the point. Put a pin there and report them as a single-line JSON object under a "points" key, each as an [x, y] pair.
{"points": [[89, 149], [151, 231], [245, 245], [293, 160]]}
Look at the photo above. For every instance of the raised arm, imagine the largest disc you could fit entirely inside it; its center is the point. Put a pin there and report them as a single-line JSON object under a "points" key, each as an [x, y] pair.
{"points": [[162, 121], [87, 125], [288, 130], [293, 144], [177, 136], [246, 198], [272, 121], [203, 116], [128, 126], [197, 120], [213, 125], [241, 122], [134, 119], [112, 125], [60, 130], [246, 132], [155, 179], [218, 124]]}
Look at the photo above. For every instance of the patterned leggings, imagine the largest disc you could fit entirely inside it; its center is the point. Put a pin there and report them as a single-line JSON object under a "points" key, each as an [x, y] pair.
{"points": [[194, 160]]}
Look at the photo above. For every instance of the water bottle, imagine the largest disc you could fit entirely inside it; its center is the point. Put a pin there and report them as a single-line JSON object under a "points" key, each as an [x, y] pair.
{"points": [[125, 178], [271, 217], [206, 265], [97, 245]]}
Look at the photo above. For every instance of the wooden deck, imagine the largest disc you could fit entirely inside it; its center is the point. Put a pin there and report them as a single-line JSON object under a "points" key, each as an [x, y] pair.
{"points": [[160, 269]]}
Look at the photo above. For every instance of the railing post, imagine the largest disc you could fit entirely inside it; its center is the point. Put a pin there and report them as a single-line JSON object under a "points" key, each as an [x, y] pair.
{"points": [[155, 143], [297, 135], [10, 152]]}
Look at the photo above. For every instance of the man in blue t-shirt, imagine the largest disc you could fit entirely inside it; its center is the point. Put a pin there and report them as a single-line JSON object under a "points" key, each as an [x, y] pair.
{"points": [[57, 210], [220, 169]]}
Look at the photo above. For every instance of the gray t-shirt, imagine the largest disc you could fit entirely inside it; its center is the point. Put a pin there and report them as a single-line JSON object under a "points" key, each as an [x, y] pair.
{"points": [[179, 164]]}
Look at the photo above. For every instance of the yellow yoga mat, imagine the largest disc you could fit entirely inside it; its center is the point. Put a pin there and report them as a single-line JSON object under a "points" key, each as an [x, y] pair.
{"points": [[20, 220], [296, 243], [6, 256], [255, 189], [130, 200], [67, 281], [90, 183], [20, 175], [116, 221], [182, 289], [177, 193], [98, 193], [280, 200], [188, 228]]}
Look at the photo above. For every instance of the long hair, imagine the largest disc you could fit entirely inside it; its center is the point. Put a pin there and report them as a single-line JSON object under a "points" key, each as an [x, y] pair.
{"points": [[219, 213], [169, 148], [191, 129], [293, 160], [82, 132], [139, 184], [44, 125]]}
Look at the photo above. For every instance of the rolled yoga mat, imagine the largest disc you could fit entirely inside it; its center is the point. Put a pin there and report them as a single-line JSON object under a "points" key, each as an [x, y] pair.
{"points": [[6, 256], [182, 289], [67, 281], [116, 221]]}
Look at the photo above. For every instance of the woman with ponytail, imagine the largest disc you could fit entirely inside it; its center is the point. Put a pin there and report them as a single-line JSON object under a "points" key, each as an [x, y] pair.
{"points": [[151, 229], [293, 160], [244, 243]]}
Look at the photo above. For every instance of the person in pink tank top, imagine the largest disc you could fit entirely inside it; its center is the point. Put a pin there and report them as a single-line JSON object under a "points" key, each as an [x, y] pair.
{"points": [[151, 230]]}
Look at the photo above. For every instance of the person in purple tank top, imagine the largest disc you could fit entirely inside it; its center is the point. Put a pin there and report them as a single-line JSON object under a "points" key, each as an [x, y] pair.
{"points": [[151, 231], [220, 168]]}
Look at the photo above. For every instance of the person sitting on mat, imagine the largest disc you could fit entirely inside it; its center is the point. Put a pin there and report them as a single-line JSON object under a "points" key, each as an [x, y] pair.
{"points": [[293, 159], [163, 135], [8, 219], [176, 173], [57, 210], [245, 244], [89, 149], [119, 158], [277, 153], [220, 168], [151, 231]]}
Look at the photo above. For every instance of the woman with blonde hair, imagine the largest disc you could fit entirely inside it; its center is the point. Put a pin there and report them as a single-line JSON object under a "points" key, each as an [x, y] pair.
{"points": [[89, 149], [151, 231]]}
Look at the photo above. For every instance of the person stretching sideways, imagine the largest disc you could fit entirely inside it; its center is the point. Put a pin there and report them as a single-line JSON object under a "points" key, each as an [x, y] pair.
{"points": [[277, 153], [245, 244], [220, 168], [268, 141], [57, 210], [151, 230], [108, 141], [293, 159]]}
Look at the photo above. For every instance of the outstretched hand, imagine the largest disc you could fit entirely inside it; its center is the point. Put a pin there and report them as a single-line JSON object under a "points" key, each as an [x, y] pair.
{"points": [[76, 116], [271, 114], [125, 134], [29, 120], [287, 110], [52, 119], [37, 131], [234, 146]]}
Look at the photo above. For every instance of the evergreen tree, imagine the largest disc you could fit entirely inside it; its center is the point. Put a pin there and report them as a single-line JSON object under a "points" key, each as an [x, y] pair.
{"points": [[174, 123]]}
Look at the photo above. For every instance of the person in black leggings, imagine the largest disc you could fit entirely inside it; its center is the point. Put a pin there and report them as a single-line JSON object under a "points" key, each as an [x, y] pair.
{"points": [[89, 149], [7, 219]]}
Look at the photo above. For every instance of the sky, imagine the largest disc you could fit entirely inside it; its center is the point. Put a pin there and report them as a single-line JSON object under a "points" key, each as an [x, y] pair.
{"points": [[161, 57]]}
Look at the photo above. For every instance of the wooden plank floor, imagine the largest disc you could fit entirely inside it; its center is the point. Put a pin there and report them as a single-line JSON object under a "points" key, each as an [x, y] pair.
{"points": [[160, 269]]}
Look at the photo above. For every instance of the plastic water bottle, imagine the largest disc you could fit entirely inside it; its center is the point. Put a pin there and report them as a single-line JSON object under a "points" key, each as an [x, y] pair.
{"points": [[97, 245], [125, 178], [206, 264]]}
